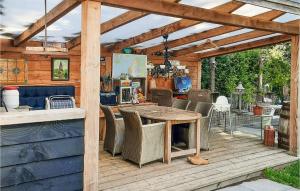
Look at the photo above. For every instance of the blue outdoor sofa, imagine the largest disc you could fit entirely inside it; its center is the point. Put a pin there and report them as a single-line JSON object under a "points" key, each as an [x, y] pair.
{"points": [[34, 96]]}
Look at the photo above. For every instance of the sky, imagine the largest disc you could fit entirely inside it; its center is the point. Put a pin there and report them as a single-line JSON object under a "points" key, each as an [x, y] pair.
{"points": [[18, 15]]}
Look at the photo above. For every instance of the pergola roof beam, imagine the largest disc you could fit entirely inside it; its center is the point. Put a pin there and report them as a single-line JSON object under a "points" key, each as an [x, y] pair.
{"points": [[210, 33], [107, 26], [181, 24], [53, 15], [114, 23], [245, 46], [201, 14], [226, 41]]}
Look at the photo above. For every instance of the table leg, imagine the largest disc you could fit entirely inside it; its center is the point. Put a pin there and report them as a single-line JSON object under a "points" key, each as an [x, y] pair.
{"points": [[197, 160], [102, 126], [167, 149], [198, 141]]}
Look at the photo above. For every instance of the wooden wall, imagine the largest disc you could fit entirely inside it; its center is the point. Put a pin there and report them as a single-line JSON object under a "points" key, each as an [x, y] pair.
{"points": [[39, 69]]}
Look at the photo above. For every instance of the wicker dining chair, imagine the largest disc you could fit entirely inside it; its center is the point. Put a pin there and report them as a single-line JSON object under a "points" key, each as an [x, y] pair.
{"points": [[163, 97], [186, 132], [115, 130], [181, 103], [176, 129], [142, 143], [198, 95]]}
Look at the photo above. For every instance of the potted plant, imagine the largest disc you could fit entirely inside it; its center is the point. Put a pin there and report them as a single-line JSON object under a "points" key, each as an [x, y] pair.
{"points": [[258, 110]]}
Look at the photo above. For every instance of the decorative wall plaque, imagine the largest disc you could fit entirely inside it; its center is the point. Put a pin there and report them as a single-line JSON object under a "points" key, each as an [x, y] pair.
{"points": [[13, 71]]}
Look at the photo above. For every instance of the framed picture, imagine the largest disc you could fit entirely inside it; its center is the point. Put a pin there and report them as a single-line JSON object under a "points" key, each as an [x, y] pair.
{"points": [[60, 69]]}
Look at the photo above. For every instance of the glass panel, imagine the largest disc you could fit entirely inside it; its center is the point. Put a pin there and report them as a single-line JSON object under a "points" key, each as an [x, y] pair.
{"points": [[17, 16], [287, 17], [250, 10]]}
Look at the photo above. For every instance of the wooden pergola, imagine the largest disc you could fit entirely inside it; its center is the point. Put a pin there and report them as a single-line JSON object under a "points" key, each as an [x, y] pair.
{"points": [[91, 49]]}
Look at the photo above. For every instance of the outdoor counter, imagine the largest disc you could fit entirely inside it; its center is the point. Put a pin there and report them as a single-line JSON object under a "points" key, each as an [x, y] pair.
{"points": [[42, 150]]}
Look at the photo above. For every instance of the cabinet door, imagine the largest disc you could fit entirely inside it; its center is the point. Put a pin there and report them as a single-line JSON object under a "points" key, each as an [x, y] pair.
{"points": [[12, 71]]}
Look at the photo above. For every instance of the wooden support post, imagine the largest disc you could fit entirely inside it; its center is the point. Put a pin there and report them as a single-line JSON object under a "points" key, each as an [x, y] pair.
{"points": [[199, 75], [260, 79], [212, 62], [89, 90], [294, 106]]}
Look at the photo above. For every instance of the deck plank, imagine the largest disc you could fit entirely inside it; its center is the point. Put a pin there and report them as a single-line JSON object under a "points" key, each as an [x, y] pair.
{"points": [[185, 176], [182, 164], [231, 159]]}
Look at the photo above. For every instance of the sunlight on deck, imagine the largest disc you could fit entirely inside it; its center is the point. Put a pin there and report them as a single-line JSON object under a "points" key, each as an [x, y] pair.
{"points": [[231, 159]]}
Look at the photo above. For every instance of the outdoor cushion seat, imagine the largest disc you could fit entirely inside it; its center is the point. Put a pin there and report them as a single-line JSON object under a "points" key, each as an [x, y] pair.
{"points": [[35, 96]]}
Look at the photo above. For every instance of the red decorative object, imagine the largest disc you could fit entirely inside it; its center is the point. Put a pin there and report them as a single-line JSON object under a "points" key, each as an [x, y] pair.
{"points": [[257, 110], [269, 136], [10, 87]]}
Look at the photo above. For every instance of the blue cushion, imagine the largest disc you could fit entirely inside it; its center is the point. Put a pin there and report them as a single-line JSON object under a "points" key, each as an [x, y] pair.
{"points": [[34, 96]]}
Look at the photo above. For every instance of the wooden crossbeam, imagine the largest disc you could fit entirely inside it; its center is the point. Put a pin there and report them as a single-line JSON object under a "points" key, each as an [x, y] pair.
{"points": [[114, 23], [226, 41], [245, 46], [181, 24], [201, 14], [57, 12], [218, 43], [270, 15], [286, 5]]}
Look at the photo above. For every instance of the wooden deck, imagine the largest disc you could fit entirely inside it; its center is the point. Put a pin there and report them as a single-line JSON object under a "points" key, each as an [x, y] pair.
{"points": [[231, 160]]}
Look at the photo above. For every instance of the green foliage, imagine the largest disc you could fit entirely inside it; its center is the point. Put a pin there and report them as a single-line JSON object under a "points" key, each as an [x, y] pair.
{"points": [[205, 75], [277, 67], [290, 175], [244, 67]]}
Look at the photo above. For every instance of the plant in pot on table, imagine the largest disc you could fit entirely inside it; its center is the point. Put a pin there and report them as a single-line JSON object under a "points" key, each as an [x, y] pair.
{"points": [[106, 81]]}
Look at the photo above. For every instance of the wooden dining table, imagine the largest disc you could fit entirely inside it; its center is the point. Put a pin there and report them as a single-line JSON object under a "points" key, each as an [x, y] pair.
{"points": [[171, 116]]}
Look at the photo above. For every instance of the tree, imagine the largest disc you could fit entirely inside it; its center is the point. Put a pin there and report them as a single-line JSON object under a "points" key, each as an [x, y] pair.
{"points": [[277, 68], [244, 67]]}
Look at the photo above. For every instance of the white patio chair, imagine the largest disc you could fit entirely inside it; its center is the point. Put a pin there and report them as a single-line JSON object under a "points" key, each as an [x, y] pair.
{"points": [[269, 116], [222, 106]]}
